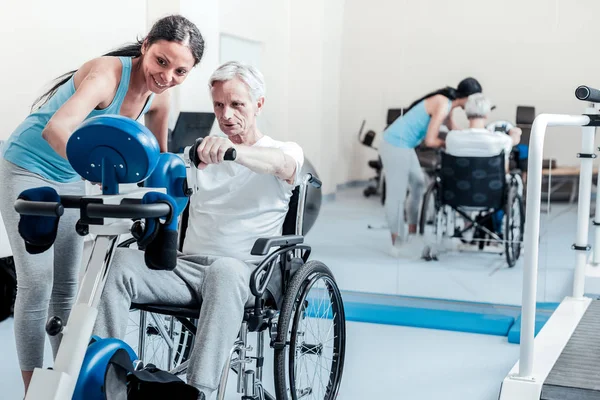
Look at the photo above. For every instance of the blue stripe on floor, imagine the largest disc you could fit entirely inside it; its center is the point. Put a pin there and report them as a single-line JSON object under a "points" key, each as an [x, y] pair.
{"points": [[489, 324], [459, 316]]}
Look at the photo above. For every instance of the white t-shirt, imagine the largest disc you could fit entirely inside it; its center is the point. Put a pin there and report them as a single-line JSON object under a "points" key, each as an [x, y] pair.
{"points": [[478, 143], [234, 206]]}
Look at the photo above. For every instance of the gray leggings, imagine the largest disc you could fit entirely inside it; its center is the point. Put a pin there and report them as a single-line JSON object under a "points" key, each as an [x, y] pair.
{"points": [[46, 282], [402, 171], [221, 284]]}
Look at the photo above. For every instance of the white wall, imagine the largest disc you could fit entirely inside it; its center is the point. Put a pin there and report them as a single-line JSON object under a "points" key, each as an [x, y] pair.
{"points": [[44, 39], [302, 49], [265, 22], [523, 52], [328, 65]]}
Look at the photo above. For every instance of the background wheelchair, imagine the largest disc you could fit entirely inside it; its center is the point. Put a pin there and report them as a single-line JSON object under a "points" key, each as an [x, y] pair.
{"points": [[294, 299], [475, 186]]}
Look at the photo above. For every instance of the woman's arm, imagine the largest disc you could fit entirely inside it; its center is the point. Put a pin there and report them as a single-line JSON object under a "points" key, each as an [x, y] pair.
{"points": [[438, 109], [97, 83], [515, 135], [157, 119], [451, 124]]}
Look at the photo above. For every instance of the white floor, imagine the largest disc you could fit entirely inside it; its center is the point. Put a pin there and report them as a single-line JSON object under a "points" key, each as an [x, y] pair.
{"points": [[390, 362], [382, 362]]}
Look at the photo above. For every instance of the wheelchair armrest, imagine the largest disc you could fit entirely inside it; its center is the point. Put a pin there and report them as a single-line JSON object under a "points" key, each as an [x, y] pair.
{"points": [[263, 245], [262, 275]]}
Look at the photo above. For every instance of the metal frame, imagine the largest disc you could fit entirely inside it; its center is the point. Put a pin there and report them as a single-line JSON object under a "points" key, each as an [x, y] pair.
{"points": [[430, 253], [525, 380], [59, 383]]}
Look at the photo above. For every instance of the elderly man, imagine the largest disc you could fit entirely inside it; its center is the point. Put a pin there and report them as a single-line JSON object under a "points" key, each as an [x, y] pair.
{"points": [[477, 141], [237, 202]]}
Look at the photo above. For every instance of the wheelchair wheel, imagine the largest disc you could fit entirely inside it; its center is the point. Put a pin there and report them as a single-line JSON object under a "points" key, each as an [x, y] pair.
{"points": [[167, 346], [514, 221], [313, 327]]}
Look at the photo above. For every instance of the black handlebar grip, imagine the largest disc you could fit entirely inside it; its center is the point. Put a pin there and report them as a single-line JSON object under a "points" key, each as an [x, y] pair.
{"points": [[316, 182], [587, 93], [40, 208], [128, 211], [230, 154]]}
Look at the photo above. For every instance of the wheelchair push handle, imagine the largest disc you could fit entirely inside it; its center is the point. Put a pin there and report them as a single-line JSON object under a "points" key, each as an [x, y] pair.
{"points": [[588, 94], [313, 180], [128, 209]]}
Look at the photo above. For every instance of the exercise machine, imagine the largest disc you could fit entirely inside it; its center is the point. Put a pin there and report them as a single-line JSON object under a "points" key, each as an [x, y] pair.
{"points": [[110, 150]]}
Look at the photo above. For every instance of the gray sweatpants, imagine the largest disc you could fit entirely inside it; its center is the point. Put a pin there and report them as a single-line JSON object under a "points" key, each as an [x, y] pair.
{"points": [[221, 284], [402, 171], [46, 282]]}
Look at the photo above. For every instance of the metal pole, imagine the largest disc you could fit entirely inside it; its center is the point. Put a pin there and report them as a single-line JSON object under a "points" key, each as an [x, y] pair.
{"points": [[583, 207], [532, 230]]}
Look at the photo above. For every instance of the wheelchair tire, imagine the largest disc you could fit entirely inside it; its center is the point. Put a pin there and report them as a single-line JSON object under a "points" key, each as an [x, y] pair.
{"points": [[289, 370], [514, 220]]}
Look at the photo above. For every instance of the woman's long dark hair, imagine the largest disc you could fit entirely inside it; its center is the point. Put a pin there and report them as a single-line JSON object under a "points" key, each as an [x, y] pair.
{"points": [[173, 28], [465, 88]]}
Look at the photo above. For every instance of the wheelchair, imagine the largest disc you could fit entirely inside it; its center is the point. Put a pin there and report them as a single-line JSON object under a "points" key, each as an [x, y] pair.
{"points": [[468, 186], [294, 299]]}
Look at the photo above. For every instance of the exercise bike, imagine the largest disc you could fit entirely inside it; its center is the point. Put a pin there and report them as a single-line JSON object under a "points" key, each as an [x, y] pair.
{"points": [[110, 150]]}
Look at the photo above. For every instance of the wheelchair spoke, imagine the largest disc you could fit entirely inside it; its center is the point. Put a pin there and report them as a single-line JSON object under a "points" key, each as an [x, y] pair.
{"points": [[318, 313], [314, 357]]}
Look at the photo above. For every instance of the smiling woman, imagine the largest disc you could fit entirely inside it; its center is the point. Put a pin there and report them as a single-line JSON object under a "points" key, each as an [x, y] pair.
{"points": [[131, 81]]}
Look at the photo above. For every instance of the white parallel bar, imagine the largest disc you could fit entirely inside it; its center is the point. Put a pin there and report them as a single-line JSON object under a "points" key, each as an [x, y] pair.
{"points": [[549, 344], [583, 206], [532, 230], [596, 246]]}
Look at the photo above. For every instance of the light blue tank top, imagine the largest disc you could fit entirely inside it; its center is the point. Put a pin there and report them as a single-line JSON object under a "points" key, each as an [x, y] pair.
{"points": [[409, 130], [27, 148]]}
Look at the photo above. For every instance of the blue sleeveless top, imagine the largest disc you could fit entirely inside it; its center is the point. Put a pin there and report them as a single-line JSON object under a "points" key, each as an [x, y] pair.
{"points": [[29, 150], [409, 130]]}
